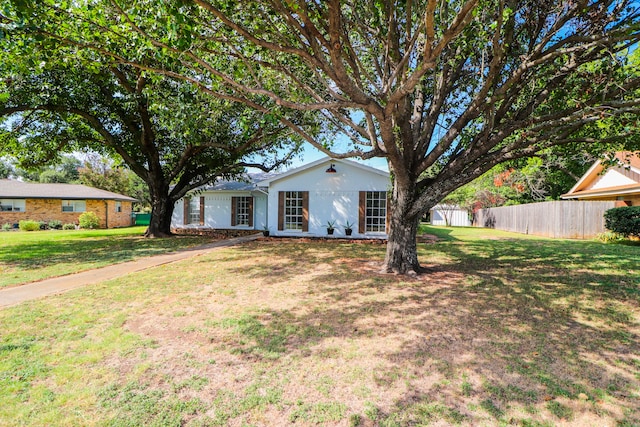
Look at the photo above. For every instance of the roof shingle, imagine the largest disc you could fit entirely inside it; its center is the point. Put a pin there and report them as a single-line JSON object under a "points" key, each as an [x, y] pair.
{"points": [[12, 189]]}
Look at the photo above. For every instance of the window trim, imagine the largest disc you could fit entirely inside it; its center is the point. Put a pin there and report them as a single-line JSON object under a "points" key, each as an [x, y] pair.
{"points": [[190, 215], [241, 207], [303, 215], [364, 227], [76, 205], [21, 208], [293, 210]]}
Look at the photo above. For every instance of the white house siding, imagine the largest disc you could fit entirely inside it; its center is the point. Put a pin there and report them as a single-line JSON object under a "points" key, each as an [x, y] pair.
{"points": [[260, 220], [612, 178], [332, 196], [177, 219], [217, 210]]}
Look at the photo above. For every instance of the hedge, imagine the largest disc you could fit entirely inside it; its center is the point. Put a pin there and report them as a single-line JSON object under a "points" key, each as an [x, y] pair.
{"points": [[624, 221]]}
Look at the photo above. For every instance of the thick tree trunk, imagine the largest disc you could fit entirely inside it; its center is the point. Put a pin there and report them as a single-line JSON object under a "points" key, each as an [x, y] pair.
{"points": [[402, 254], [161, 213]]}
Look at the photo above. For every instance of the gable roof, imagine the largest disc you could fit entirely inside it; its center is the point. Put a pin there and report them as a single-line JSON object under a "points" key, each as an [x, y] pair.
{"points": [[12, 189], [312, 165], [248, 183], [587, 185]]}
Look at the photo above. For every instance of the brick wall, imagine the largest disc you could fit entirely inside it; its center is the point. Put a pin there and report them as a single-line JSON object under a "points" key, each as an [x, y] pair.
{"points": [[51, 209]]}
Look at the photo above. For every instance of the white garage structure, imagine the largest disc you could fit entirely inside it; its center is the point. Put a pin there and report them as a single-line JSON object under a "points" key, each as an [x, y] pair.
{"points": [[450, 215]]}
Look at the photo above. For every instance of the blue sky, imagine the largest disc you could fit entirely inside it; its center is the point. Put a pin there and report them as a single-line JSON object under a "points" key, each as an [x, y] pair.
{"points": [[311, 154]]}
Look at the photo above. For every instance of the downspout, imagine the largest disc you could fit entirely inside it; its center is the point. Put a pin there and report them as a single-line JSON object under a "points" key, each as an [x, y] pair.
{"points": [[106, 214]]}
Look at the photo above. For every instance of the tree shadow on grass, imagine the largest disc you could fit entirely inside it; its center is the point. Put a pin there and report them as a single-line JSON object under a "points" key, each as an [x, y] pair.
{"points": [[520, 331]]}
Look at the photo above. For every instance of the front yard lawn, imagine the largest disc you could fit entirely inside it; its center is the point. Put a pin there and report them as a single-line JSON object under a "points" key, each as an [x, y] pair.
{"points": [[30, 256], [503, 330]]}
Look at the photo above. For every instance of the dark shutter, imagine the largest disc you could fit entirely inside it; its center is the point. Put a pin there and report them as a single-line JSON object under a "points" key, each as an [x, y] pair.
{"points": [[185, 214], [234, 203], [362, 206], [388, 218], [280, 210], [305, 210], [250, 209], [201, 210]]}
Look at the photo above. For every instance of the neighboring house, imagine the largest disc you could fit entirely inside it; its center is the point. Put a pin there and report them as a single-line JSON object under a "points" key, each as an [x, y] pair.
{"points": [[62, 202], [299, 202], [619, 183], [450, 215]]}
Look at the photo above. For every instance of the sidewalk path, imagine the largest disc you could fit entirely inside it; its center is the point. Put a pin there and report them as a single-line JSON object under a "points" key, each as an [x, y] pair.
{"points": [[57, 285]]}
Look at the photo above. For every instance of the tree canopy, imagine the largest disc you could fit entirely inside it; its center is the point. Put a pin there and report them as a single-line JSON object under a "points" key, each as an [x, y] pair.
{"points": [[172, 136], [443, 89], [6, 169], [105, 173]]}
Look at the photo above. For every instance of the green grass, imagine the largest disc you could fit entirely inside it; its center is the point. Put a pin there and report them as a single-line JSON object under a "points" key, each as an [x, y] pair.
{"points": [[30, 256], [501, 330]]}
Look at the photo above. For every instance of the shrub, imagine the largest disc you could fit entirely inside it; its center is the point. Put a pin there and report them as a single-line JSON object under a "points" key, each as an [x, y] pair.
{"points": [[624, 221], [69, 227], [89, 220], [6, 226], [610, 237], [28, 225], [55, 224], [43, 225]]}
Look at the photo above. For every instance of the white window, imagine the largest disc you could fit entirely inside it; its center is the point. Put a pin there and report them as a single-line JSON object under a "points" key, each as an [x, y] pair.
{"points": [[13, 205], [376, 211], [242, 210], [194, 211], [118, 206], [74, 205], [293, 210]]}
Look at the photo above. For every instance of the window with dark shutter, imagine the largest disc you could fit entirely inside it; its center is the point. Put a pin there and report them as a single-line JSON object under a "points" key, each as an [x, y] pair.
{"points": [[234, 203], [372, 211], [293, 210], [185, 211], [242, 211], [362, 202], [202, 210], [280, 210], [305, 210]]}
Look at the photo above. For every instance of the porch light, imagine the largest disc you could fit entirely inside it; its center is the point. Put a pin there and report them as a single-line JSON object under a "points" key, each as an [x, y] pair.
{"points": [[331, 169]]}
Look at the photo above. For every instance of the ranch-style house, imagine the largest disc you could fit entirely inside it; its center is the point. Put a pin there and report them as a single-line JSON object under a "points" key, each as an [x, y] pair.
{"points": [[62, 202], [299, 202]]}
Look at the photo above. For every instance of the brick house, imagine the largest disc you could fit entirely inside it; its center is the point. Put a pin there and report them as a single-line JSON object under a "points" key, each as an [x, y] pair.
{"points": [[62, 202]]}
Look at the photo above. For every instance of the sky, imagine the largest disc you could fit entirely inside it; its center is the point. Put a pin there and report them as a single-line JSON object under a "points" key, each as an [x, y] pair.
{"points": [[311, 154]]}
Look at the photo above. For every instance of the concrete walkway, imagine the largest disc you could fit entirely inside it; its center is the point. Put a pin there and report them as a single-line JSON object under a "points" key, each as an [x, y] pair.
{"points": [[57, 285]]}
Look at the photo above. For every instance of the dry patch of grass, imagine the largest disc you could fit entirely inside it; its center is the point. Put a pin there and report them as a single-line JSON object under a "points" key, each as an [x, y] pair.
{"points": [[499, 331]]}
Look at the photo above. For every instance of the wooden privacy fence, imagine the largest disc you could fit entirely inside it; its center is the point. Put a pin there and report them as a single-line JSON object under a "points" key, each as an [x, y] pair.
{"points": [[559, 219]]}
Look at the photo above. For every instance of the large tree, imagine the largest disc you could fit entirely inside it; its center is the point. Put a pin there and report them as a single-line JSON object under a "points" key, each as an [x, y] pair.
{"points": [[169, 134], [110, 174], [6, 169], [443, 89]]}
